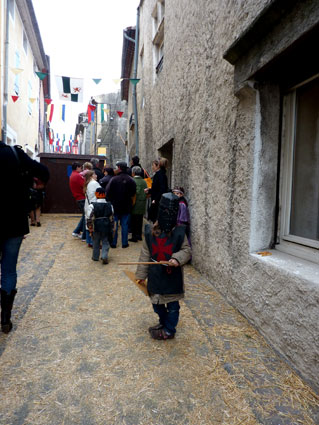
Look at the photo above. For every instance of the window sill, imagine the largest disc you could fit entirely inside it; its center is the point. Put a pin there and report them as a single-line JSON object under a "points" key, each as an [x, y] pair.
{"points": [[288, 263]]}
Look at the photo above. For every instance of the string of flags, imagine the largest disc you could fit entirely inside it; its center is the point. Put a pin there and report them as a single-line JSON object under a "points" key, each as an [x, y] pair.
{"points": [[62, 146]]}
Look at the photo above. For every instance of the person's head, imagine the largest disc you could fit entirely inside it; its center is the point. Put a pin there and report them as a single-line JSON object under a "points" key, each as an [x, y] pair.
{"points": [[135, 160], [178, 191], [108, 171], [76, 166], [136, 171], [167, 212], [155, 165], [163, 163], [87, 166], [121, 165], [88, 177], [100, 193], [94, 162]]}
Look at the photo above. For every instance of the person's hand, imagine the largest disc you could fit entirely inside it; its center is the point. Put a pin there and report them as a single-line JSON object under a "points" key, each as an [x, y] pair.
{"points": [[173, 262], [141, 281], [146, 190]]}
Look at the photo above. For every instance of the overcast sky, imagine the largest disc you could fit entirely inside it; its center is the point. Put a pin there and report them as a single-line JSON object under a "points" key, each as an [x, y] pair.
{"points": [[84, 40]]}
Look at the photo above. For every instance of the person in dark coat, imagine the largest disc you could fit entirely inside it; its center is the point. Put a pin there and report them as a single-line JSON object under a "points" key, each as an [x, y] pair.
{"points": [[159, 186], [24, 173], [120, 192], [108, 174], [96, 169]]}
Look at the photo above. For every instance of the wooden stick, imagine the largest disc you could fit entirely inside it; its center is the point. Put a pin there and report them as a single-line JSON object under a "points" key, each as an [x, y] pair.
{"points": [[150, 263]]}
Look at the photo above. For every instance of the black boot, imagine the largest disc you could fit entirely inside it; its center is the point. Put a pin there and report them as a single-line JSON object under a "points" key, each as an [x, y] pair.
{"points": [[6, 307]]}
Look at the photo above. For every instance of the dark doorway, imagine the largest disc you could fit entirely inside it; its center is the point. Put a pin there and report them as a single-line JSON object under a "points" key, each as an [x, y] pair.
{"points": [[167, 152]]}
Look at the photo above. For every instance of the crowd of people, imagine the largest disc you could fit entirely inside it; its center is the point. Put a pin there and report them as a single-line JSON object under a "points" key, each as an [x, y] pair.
{"points": [[110, 200]]}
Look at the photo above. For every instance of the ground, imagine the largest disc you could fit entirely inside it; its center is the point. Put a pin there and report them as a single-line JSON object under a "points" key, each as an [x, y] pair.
{"points": [[80, 353]]}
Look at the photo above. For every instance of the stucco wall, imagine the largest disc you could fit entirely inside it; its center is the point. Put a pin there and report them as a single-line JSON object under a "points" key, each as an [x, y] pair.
{"points": [[225, 155]]}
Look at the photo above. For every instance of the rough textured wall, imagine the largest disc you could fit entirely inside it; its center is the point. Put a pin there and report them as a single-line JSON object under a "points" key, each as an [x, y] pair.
{"points": [[221, 145]]}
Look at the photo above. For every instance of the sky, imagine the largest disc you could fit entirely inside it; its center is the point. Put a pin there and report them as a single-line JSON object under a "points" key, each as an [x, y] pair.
{"points": [[84, 40]]}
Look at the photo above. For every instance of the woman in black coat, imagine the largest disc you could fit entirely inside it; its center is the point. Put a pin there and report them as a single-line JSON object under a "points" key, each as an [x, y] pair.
{"points": [[159, 186]]}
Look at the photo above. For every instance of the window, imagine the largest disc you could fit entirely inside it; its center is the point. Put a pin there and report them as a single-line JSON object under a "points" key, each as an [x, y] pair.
{"points": [[25, 42], [299, 197], [11, 8], [17, 77], [158, 35]]}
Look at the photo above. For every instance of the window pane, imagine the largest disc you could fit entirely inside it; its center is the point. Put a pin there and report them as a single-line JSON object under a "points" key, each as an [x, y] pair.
{"points": [[305, 184]]}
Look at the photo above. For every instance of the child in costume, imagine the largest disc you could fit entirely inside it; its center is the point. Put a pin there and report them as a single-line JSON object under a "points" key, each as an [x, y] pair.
{"points": [[183, 217], [165, 284], [100, 225]]}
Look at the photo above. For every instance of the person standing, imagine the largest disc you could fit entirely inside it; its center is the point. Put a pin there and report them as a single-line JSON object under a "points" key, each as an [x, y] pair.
{"points": [[139, 205], [100, 224], [135, 162], [14, 223], [89, 190], [108, 174], [120, 192], [96, 169], [159, 186], [76, 183], [165, 283]]}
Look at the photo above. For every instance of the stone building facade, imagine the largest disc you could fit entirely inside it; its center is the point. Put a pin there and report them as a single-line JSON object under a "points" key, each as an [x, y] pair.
{"points": [[229, 93]]}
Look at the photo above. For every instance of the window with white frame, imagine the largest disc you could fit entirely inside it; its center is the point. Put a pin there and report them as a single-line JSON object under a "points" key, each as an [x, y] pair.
{"points": [[158, 35], [299, 195], [25, 42], [11, 8]]}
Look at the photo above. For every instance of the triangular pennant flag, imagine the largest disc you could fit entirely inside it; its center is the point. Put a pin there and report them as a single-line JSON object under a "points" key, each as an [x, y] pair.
{"points": [[41, 75], [32, 99], [106, 110], [48, 101], [17, 71], [119, 113], [134, 81], [117, 80], [97, 80], [15, 98]]}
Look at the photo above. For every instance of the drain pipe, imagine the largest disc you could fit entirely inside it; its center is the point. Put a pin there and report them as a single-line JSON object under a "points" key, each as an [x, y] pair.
{"points": [[134, 97], [6, 74]]}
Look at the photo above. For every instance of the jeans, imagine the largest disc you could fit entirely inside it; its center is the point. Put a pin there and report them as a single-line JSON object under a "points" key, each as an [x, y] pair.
{"points": [[88, 237], [124, 220], [168, 315], [97, 238], [81, 224], [9, 257]]}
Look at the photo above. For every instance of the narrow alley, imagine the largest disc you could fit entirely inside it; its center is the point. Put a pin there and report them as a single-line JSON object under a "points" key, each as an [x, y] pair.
{"points": [[80, 352]]}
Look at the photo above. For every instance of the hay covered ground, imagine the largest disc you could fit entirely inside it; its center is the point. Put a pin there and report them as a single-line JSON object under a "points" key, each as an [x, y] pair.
{"points": [[80, 352]]}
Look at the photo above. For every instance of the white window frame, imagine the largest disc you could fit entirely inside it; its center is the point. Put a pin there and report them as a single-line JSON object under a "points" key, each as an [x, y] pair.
{"points": [[11, 5], [307, 249], [158, 17]]}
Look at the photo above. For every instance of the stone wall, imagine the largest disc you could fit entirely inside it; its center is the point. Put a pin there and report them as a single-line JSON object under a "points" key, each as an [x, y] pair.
{"points": [[225, 155]]}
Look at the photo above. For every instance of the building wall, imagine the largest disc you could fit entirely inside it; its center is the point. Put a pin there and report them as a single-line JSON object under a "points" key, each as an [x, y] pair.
{"points": [[221, 158], [23, 124]]}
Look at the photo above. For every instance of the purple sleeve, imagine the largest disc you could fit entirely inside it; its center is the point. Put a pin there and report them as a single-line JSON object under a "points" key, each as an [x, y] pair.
{"points": [[183, 214]]}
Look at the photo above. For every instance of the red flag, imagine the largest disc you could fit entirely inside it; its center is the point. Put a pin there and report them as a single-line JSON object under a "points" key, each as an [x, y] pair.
{"points": [[91, 109], [48, 101], [15, 98], [51, 112], [119, 113]]}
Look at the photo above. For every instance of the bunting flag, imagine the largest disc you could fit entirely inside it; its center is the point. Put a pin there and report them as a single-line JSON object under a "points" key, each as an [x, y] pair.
{"points": [[106, 111], [50, 137], [134, 81], [119, 113], [102, 112], [32, 99], [97, 80], [117, 80], [90, 112], [63, 112], [48, 101], [17, 71], [70, 88], [15, 98], [50, 112], [41, 75]]}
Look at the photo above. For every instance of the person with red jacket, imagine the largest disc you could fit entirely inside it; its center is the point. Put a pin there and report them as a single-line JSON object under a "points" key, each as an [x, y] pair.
{"points": [[76, 183]]}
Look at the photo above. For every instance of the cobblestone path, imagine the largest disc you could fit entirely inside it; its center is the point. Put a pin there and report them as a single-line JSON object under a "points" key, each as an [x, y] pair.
{"points": [[80, 352]]}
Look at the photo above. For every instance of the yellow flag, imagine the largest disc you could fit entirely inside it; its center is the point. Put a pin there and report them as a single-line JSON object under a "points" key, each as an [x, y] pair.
{"points": [[106, 110], [32, 99], [16, 71], [117, 80]]}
